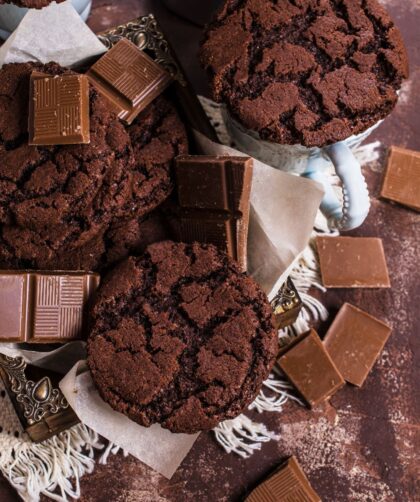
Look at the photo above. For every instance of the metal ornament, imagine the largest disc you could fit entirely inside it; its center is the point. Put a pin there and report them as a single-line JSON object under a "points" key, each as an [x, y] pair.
{"points": [[145, 33], [286, 299], [38, 399]]}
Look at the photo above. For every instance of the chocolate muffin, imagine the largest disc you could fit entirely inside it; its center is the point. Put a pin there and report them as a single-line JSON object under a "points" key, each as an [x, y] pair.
{"points": [[58, 203], [31, 4], [180, 337], [309, 72]]}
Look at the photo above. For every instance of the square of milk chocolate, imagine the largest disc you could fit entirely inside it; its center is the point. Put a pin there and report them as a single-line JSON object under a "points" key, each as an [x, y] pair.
{"points": [[352, 262], [311, 370], [401, 181], [287, 484], [354, 342]]}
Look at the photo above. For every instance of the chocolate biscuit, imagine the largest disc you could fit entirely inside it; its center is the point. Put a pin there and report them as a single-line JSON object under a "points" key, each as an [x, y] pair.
{"points": [[181, 337], [58, 203], [306, 72]]}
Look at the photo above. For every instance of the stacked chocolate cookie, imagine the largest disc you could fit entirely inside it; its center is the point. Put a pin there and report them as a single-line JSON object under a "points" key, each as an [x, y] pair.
{"points": [[61, 205]]}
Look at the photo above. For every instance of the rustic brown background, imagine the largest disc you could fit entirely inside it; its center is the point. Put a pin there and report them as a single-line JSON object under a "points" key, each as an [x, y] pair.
{"points": [[364, 447]]}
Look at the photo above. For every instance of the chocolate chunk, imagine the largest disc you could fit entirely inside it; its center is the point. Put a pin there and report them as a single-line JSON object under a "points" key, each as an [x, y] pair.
{"points": [[352, 262], [59, 110], [214, 195], [402, 178], [286, 305], [287, 484], [40, 406], [354, 342], [129, 79], [41, 307], [311, 370]]}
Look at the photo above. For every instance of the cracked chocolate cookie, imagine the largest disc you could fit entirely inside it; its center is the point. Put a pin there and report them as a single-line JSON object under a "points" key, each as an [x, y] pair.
{"points": [[31, 4], [308, 72], [180, 337], [58, 204], [53, 199], [157, 136]]}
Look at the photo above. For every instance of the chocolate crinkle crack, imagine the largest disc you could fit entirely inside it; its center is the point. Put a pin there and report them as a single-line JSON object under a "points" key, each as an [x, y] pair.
{"points": [[180, 337], [310, 72], [58, 203], [31, 4]]}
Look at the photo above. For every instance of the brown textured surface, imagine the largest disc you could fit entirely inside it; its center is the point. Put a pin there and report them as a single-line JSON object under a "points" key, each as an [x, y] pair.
{"points": [[311, 72], [365, 446], [194, 330]]}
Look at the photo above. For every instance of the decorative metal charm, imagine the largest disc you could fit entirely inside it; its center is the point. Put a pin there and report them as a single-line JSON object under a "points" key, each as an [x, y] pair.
{"points": [[146, 34], [287, 299], [38, 399]]}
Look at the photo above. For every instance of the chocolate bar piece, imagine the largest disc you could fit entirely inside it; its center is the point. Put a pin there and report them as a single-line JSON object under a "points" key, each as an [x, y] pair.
{"points": [[214, 200], [402, 178], [352, 262], [129, 79], [286, 305], [311, 370], [39, 404], [146, 28], [44, 307], [59, 110], [288, 483], [354, 342]]}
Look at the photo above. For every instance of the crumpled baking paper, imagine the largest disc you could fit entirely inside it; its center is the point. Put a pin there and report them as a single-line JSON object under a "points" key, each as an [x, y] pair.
{"points": [[282, 216], [55, 33], [283, 209]]}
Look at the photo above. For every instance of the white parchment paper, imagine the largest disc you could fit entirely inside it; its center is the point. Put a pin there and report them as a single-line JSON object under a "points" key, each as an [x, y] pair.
{"points": [[283, 212], [283, 209], [55, 33], [160, 449]]}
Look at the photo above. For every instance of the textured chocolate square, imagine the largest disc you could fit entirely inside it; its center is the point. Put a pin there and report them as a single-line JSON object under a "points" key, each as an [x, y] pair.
{"points": [[13, 293], [214, 202], [354, 342], [311, 370], [59, 110], [288, 484], [44, 307], [352, 262], [129, 79], [402, 178]]}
